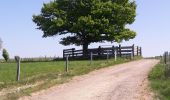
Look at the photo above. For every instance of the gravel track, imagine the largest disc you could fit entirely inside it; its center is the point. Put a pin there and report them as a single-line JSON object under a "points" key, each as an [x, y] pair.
{"points": [[126, 81]]}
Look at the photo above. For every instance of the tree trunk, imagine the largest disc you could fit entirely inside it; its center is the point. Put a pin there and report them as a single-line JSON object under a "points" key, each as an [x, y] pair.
{"points": [[85, 49]]}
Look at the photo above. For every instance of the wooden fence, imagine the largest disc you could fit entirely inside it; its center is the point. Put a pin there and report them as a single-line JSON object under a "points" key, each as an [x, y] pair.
{"points": [[104, 51]]}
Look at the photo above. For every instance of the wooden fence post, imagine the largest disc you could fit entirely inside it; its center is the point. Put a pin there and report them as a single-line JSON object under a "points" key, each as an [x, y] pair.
{"points": [[167, 64], [73, 52], [107, 56], [18, 59], [66, 68], [131, 56], [169, 57], [165, 57], [115, 52], [133, 50], [120, 50], [137, 51], [91, 57], [63, 54], [140, 51], [168, 69], [99, 50]]}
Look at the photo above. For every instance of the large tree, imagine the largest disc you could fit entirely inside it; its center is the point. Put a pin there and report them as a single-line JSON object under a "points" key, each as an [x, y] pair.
{"points": [[82, 22]]}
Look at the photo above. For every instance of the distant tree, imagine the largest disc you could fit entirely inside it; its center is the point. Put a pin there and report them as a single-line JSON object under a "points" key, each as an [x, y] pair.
{"points": [[5, 55], [83, 22], [0, 44]]}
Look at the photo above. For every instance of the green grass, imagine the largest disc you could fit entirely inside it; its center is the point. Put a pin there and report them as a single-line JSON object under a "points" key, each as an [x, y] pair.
{"points": [[50, 73], [159, 83]]}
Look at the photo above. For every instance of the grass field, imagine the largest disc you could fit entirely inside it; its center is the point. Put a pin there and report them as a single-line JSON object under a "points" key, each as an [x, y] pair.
{"points": [[50, 73], [160, 84]]}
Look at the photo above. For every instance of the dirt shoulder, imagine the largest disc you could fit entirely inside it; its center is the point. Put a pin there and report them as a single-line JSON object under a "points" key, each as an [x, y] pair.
{"points": [[122, 82]]}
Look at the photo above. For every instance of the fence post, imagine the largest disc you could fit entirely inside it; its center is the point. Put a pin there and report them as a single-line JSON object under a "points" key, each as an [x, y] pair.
{"points": [[18, 60], [169, 56], [120, 50], [66, 69], [133, 50], [73, 52], [131, 56], [99, 51], [63, 54], [140, 51], [165, 57], [107, 56], [91, 57], [115, 54], [167, 60], [137, 51], [113, 50]]}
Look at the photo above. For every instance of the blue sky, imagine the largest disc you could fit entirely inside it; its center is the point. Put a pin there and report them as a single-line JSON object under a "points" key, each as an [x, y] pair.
{"points": [[21, 37]]}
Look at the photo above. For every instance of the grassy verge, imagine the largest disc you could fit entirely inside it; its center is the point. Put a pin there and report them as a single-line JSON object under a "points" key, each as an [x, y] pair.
{"points": [[159, 83], [49, 73]]}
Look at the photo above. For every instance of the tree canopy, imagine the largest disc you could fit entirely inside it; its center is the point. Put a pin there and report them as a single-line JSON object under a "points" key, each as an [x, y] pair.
{"points": [[82, 22]]}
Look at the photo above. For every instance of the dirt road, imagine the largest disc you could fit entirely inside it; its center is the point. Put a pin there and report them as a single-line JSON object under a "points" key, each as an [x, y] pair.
{"points": [[122, 82]]}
